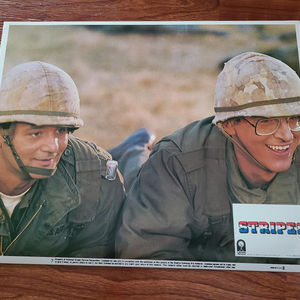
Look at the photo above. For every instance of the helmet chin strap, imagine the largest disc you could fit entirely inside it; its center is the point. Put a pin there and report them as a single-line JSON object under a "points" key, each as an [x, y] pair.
{"points": [[242, 148], [27, 169]]}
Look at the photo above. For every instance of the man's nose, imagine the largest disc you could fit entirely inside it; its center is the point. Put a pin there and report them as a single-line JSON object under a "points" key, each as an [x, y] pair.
{"points": [[284, 132], [50, 143]]}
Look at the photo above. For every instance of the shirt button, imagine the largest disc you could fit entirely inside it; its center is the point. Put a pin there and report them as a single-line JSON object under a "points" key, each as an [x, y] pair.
{"points": [[67, 152]]}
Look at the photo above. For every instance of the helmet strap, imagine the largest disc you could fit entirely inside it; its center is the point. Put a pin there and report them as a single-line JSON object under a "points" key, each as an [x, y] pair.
{"points": [[242, 148], [26, 170], [22, 167], [40, 171]]}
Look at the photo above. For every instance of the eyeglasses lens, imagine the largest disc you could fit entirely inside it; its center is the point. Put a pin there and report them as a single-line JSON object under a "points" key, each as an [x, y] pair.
{"points": [[294, 123], [267, 126]]}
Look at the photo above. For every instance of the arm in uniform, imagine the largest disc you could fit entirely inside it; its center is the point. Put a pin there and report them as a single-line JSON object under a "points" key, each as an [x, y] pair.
{"points": [[95, 220], [157, 212]]}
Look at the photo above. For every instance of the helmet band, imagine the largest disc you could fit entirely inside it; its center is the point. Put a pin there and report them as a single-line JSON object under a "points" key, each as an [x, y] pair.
{"points": [[36, 112], [256, 103]]}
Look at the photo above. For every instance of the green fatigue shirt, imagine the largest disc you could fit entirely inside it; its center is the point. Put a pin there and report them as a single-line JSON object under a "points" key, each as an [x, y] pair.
{"points": [[179, 206], [73, 213]]}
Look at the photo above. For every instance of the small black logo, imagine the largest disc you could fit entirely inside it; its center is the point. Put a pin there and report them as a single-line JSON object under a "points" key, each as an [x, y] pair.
{"points": [[241, 247]]}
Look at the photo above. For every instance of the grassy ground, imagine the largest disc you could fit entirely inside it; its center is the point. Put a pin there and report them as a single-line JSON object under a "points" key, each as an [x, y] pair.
{"points": [[127, 81]]}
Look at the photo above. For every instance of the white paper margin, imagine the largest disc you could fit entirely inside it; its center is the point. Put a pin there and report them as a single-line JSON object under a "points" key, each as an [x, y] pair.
{"points": [[143, 263], [148, 263]]}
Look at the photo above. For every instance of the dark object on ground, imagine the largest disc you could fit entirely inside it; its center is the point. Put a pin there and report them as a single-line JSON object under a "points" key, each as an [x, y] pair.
{"points": [[156, 29], [140, 138]]}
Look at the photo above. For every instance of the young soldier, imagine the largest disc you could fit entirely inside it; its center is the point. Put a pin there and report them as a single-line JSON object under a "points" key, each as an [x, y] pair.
{"points": [[180, 204], [60, 196]]}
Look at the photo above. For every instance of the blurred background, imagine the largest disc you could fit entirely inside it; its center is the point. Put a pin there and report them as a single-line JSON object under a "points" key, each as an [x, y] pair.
{"points": [[160, 77]]}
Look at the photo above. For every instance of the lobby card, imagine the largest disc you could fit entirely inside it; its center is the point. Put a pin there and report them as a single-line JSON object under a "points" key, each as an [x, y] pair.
{"points": [[161, 76]]}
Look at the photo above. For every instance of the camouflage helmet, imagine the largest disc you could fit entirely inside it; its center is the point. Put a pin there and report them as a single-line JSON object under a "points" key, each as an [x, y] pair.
{"points": [[255, 84], [39, 93]]}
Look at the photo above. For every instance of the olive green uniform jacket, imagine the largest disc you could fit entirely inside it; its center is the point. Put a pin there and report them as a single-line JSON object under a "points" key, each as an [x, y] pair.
{"points": [[73, 213], [179, 207]]}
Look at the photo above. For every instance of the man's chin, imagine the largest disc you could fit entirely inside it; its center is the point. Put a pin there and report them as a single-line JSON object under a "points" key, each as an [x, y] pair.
{"points": [[48, 173], [280, 167]]}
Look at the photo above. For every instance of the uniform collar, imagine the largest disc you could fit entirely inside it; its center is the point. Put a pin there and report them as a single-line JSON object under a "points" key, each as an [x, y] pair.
{"points": [[58, 194]]}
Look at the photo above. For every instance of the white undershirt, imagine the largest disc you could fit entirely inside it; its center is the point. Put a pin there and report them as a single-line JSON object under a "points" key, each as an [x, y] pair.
{"points": [[10, 202]]}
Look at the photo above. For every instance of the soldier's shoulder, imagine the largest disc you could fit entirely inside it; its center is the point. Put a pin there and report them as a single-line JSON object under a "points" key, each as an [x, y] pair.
{"points": [[192, 137], [86, 148]]}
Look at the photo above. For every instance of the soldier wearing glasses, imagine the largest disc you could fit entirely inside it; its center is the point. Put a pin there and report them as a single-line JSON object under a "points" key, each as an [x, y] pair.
{"points": [[180, 204]]}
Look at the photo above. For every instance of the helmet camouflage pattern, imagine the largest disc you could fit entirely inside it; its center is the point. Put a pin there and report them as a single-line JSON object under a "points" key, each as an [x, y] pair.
{"points": [[254, 84], [39, 93]]}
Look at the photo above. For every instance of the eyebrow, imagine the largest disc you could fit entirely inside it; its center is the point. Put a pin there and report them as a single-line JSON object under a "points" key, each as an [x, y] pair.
{"points": [[33, 126]]}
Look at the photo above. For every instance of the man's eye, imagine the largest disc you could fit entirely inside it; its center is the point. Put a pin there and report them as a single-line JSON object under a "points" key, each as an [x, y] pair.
{"points": [[266, 121], [295, 118], [34, 134], [62, 130]]}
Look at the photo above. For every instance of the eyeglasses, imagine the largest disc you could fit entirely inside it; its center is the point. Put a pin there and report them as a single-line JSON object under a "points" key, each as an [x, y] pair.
{"points": [[269, 126]]}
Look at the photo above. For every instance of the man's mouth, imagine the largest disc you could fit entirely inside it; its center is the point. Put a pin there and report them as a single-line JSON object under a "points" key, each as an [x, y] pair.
{"points": [[278, 148], [47, 162]]}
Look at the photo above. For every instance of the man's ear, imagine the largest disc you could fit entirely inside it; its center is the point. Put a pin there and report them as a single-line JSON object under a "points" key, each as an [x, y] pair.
{"points": [[229, 127]]}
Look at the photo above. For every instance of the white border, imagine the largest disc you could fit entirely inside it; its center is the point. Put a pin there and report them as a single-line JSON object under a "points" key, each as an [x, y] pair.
{"points": [[170, 264], [149, 263], [297, 27], [5, 30]]}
